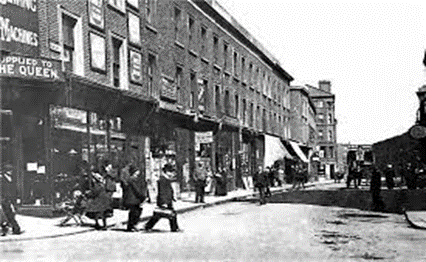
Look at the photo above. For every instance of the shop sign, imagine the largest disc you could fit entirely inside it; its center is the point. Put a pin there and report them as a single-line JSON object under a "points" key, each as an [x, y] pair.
{"points": [[96, 13], [19, 27], [25, 67], [204, 137], [135, 67], [168, 89]]}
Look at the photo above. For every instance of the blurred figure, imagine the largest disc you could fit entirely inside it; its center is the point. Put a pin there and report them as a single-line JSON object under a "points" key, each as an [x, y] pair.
{"points": [[389, 175], [260, 183], [375, 187], [200, 183], [220, 178], [134, 193], [7, 211]]}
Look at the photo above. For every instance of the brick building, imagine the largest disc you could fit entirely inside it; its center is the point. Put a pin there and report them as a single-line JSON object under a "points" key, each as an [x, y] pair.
{"points": [[146, 81], [303, 124], [324, 101]]}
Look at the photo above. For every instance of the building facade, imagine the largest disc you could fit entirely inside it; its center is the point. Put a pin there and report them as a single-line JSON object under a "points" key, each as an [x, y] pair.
{"points": [[151, 82], [303, 124], [326, 122]]}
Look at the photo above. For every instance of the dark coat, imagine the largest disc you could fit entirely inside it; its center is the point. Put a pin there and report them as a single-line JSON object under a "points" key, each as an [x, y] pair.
{"points": [[165, 192], [221, 187], [99, 201], [260, 179], [375, 183], [134, 191]]}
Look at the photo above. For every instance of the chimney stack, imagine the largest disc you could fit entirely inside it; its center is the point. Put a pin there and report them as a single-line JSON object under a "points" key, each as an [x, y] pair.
{"points": [[325, 85]]}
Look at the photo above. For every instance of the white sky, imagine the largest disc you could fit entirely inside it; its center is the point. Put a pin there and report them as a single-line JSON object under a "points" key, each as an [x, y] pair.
{"points": [[371, 52]]}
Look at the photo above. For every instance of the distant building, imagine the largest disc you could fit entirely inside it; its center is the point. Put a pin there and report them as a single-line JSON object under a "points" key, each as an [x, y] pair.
{"points": [[326, 123], [303, 123]]}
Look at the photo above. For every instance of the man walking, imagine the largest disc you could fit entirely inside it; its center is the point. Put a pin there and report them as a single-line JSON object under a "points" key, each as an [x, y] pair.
{"points": [[164, 201], [260, 182], [7, 214], [200, 183], [134, 193], [375, 187]]}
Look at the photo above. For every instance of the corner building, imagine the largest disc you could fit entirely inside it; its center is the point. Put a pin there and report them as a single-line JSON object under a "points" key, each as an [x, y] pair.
{"points": [[145, 81], [326, 122]]}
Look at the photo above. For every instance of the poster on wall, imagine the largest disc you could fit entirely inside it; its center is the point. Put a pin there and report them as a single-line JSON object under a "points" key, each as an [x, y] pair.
{"points": [[134, 29], [96, 13], [135, 67], [19, 27], [97, 52]]}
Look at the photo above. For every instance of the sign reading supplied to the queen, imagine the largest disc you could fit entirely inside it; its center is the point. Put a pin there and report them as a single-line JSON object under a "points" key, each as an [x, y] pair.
{"points": [[25, 67], [19, 32]]}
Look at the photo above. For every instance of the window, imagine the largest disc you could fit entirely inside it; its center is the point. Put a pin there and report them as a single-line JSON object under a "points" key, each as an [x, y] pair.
{"points": [[320, 135], [134, 32], [178, 79], [217, 98], [323, 152], [330, 118], [237, 106], [225, 55], [320, 104], [215, 47], [193, 80], [190, 28], [116, 57], [251, 115], [250, 71], [177, 17], [118, 4], [192, 100], [244, 112], [227, 103], [321, 117], [68, 24], [331, 152], [203, 40], [150, 10], [151, 72], [235, 63], [243, 67], [330, 135]]}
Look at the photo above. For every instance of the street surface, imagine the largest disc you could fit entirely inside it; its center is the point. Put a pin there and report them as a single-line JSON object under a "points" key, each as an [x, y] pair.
{"points": [[242, 231]]}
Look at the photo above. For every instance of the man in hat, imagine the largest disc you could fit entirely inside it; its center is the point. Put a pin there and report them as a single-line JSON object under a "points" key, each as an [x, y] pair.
{"points": [[8, 213], [164, 201]]}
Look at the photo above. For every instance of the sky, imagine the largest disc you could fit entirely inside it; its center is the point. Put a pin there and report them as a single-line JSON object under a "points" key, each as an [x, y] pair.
{"points": [[371, 52]]}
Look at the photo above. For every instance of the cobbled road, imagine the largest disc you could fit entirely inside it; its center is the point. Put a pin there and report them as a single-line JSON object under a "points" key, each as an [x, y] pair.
{"points": [[242, 231]]}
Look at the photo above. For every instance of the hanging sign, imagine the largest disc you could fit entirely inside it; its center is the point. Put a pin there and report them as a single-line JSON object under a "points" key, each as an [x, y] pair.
{"points": [[24, 67], [19, 28], [96, 13], [135, 67]]}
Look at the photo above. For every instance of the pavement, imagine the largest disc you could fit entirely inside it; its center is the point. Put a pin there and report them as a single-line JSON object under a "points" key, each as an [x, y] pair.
{"points": [[42, 228]]}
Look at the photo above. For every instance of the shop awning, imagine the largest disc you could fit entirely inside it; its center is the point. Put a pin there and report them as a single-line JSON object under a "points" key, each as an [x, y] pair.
{"points": [[274, 150], [298, 151]]}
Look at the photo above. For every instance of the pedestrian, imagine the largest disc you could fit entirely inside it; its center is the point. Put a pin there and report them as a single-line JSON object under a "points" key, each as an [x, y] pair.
{"points": [[134, 193], [352, 175], [375, 187], [220, 178], [269, 180], [389, 175], [7, 212], [110, 186], [164, 202], [259, 179], [99, 202], [200, 184]]}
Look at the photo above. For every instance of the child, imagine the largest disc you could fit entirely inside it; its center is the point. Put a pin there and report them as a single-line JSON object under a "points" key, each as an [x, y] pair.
{"points": [[74, 209]]}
